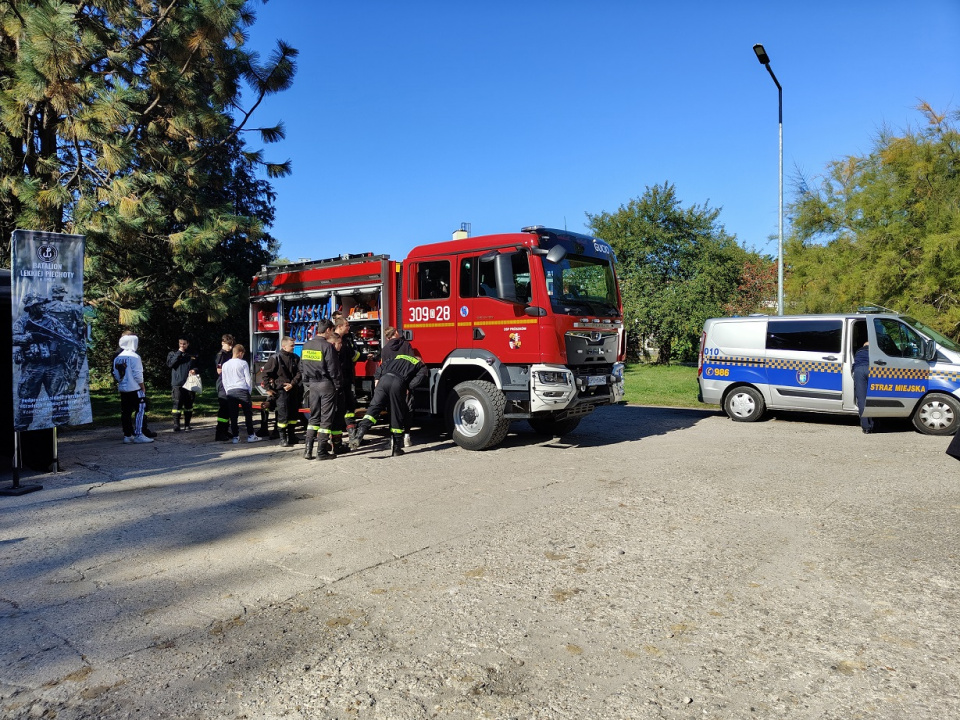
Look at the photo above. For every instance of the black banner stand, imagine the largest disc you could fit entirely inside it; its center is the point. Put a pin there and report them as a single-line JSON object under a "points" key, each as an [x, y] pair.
{"points": [[16, 488]]}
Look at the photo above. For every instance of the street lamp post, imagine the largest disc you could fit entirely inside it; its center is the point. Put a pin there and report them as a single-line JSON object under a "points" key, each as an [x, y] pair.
{"points": [[765, 61]]}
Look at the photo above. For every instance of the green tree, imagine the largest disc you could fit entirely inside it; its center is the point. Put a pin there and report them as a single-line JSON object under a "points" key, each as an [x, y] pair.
{"points": [[884, 228], [677, 267], [122, 121]]}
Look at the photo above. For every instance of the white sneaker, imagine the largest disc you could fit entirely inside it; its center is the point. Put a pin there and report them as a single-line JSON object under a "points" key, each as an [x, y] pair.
{"points": [[142, 439], [254, 438], [127, 440], [407, 440], [236, 441]]}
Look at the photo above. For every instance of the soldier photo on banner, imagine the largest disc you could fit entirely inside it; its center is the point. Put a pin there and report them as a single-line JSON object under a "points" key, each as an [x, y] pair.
{"points": [[50, 374]]}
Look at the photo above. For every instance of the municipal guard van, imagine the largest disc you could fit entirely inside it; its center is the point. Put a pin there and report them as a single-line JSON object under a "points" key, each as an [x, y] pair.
{"points": [[752, 364]]}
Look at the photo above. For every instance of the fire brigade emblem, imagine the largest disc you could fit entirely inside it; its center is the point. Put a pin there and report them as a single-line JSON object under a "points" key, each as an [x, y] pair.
{"points": [[464, 311], [803, 377], [514, 341]]}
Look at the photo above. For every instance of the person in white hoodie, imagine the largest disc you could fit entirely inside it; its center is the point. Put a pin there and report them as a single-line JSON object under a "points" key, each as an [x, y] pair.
{"points": [[128, 372], [237, 383]]}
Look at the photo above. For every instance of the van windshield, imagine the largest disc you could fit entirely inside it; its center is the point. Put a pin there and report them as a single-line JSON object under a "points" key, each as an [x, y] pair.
{"points": [[932, 334]]}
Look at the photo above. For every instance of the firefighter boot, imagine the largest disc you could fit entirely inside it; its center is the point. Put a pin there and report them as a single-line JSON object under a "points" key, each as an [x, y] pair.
{"points": [[187, 417], [277, 432], [285, 434], [358, 436], [308, 451], [292, 434], [397, 445], [324, 448], [176, 422], [351, 434], [336, 441]]}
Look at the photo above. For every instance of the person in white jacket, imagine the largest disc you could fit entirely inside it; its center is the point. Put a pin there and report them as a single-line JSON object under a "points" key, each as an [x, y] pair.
{"points": [[128, 372], [238, 384]]}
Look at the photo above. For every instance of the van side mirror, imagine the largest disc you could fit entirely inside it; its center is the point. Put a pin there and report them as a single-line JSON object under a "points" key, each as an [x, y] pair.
{"points": [[929, 350]]}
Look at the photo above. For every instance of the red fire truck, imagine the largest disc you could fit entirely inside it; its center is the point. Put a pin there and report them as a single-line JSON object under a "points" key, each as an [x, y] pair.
{"points": [[517, 326]]}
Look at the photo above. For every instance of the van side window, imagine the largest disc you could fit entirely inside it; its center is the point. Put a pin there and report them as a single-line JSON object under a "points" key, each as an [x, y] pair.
{"points": [[819, 336], [895, 339]]}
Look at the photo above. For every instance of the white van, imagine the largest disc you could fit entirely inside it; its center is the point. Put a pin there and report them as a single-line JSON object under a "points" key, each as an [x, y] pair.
{"points": [[804, 362]]}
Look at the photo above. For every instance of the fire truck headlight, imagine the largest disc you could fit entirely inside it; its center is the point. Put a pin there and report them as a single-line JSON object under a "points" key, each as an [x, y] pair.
{"points": [[553, 378]]}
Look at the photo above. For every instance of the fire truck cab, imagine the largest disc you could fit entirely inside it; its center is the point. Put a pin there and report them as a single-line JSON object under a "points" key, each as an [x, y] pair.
{"points": [[516, 326]]}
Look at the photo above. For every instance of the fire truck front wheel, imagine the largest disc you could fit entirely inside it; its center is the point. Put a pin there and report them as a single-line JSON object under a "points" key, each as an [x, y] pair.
{"points": [[475, 414]]}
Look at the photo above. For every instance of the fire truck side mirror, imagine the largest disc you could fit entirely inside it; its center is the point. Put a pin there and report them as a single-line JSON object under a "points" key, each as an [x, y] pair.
{"points": [[534, 311], [557, 254]]}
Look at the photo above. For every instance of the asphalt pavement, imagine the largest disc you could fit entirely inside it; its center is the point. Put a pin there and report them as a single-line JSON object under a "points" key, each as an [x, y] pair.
{"points": [[657, 563]]}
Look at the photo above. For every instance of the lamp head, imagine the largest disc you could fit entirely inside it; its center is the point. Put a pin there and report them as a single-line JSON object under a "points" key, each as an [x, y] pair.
{"points": [[761, 54]]}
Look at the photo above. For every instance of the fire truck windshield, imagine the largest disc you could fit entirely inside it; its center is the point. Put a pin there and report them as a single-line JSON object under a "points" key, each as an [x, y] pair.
{"points": [[580, 285]]}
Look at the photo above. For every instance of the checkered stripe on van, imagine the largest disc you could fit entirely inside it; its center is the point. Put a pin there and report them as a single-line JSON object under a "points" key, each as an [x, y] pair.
{"points": [[894, 373], [732, 360], [804, 366], [944, 375]]}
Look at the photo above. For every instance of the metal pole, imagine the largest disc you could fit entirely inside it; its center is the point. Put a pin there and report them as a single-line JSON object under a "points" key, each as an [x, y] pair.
{"points": [[780, 218], [780, 241]]}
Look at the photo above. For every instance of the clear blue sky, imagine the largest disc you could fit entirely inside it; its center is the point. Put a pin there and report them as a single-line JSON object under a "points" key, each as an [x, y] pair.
{"points": [[407, 118]]}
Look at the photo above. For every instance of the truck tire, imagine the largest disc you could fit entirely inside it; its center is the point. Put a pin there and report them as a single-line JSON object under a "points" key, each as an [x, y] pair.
{"points": [[475, 415], [553, 428], [744, 404], [937, 414]]}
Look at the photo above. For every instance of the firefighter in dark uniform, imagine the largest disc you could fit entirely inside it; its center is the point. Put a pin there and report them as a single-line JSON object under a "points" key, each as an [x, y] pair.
{"points": [[349, 356], [396, 345], [320, 368], [396, 377], [283, 381], [223, 410], [42, 347]]}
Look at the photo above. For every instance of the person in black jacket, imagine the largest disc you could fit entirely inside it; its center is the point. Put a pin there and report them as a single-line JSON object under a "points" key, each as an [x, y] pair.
{"points": [[182, 363], [223, 411], [349, 356], [396, 376], [861, 379], [320, 368], [395, 345], [282, 381]]}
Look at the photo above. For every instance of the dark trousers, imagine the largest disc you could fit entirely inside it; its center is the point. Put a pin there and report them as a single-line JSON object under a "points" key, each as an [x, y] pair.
{"points": [[323, 407], [237, 400], [391, 391], [288, 406], [133, 406], [182, 399], [861, 380]]}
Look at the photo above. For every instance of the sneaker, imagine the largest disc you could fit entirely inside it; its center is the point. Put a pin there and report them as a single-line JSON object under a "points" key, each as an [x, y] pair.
{"points": [[187, 428], [253, 438], [127, 440], [235, 441], [407, 440], [142, 439]]}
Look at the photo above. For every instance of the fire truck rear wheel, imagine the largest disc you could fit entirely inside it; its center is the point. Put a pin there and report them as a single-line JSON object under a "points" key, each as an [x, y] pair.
{"points": [[553, 428], [475, 414]]}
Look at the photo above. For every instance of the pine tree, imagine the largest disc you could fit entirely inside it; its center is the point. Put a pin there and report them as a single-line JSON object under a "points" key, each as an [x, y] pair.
{"points": [[121, 120]]}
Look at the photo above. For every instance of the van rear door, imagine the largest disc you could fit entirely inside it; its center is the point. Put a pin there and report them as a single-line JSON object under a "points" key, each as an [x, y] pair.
{"points": [[804, 363]]}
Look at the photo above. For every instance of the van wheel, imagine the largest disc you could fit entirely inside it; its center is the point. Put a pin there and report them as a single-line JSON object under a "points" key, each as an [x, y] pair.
{"points": [[744, 404], [553, 428], [937, 414], [475, 414]]}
